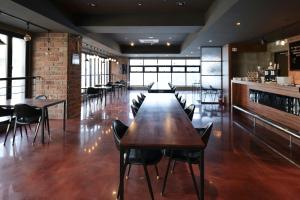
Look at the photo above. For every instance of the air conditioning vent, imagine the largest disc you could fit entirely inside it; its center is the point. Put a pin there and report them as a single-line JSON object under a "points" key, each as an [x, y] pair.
{"points": [[149, 41]]}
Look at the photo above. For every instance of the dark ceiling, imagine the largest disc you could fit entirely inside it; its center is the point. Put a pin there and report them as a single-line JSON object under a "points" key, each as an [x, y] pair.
{"points": [[117, 23]]}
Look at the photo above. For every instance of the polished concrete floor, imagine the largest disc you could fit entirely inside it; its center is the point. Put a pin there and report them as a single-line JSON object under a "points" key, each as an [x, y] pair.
{"points": [[83, 162]]}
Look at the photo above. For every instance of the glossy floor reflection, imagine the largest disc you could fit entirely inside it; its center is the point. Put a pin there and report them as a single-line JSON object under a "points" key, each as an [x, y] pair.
{"points": [[83, 162]]}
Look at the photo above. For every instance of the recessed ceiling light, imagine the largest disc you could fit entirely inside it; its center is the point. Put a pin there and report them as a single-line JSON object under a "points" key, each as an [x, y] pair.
{"points": [[140, 3], [180, 3], [192, 52], [238, 23], [170, 38], [168, 44], [210, 41], [199, 48], [186, 55], [92, 4], [150, 37], [132, 44]]}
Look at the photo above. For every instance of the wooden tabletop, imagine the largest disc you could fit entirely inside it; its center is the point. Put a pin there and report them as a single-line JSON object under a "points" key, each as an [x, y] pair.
{"points": [[159, 87], [161, 123], [32, 102]]}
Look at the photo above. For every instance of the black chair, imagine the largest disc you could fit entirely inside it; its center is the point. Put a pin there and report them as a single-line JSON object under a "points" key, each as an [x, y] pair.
{"points": [[136, 104], [92, 93], [136, 156], [182, 103], [5, 119], [140, 99], [134, 110], [25, 115], [176, 95], [179, 98], [143, 96], [46, 114], [189, 156], [190, 111]]}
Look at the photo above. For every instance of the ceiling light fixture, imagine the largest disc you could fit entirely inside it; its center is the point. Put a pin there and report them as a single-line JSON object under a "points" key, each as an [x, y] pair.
{"points": [[27, 37], [150, 37], [180, 3], [168, 44], [140, 3], [132, 44], [238, 23], [92, 4], [210, 41]]}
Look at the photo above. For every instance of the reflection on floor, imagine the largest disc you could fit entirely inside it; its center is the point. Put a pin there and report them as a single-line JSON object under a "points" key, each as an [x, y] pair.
{"points": [[83, 162]]}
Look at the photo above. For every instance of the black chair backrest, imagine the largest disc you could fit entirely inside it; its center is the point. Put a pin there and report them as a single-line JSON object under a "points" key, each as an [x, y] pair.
{"points": [[6, 112], [26, 111], [143, 96], [91, 90], [140, 99], [176, 94], [179, 98], [190, 111], [207, 133], [134, 110], [119, 129], [41, 97], [182, 103], [135, 103]]}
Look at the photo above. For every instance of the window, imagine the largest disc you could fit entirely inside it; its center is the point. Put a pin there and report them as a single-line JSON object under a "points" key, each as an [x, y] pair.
{"points": [[94, 70], [3, 66], [181, 72], [13, 65]]}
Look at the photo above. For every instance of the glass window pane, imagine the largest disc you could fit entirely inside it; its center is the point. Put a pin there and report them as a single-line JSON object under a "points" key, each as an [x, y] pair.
{"points": [[211, 54], [3, 66], [178, 62], [150, 62], [136, 69], [164, 77], [178, 79], [150, 69], [193, 62], [211, 68], [192, 78], [136, 79], [149, 78], [19, 67], [164, 62], [165, 69], [178, 69], [192, 69], [136, 62], [214, 81]]}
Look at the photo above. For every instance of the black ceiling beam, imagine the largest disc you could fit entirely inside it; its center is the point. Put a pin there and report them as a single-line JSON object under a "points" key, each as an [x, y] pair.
{"points": [[155, 49], [189, 19]]}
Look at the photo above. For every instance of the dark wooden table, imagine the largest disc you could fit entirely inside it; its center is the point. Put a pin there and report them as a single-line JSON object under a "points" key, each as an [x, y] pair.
{"points": [[43, 104], [104, 88], [159, 87], [161, 123]]}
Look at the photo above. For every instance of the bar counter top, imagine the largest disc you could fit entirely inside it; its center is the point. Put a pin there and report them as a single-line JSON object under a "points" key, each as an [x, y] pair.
{"points": [[274, 88]]}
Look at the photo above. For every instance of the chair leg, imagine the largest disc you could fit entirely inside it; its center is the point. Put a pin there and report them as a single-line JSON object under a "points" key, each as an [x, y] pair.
{"points": [[148, 181], [7, 131], [36, 131], [20, 127], [194, 180], [15, 130], [157, 173], [173, 166], [166, 176], [26, 131], [128, 172]]}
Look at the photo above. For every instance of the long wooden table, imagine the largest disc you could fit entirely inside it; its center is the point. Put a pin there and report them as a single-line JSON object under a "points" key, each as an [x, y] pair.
{"points": [[43, 104], [159, 87], [161, 123]]}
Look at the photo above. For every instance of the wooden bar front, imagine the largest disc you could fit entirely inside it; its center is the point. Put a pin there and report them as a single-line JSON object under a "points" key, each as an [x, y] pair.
{"points": [[240, 97]]}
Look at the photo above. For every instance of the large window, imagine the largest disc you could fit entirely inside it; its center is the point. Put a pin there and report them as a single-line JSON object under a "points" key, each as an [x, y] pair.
{"points": [[180, 72], [12, 65], [94, 71]]}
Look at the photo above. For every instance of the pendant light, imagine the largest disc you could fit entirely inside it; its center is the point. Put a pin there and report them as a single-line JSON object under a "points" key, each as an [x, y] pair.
{"points": [[27, 37]]}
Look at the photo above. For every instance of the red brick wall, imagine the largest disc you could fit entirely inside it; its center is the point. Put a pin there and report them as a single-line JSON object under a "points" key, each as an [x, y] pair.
{"points": [[56, 72]]}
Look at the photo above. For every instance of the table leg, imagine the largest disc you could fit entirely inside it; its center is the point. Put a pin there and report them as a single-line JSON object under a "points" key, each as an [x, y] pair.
{"points": [[43, 125], [121, 186], [202, 176], [65, 113]]}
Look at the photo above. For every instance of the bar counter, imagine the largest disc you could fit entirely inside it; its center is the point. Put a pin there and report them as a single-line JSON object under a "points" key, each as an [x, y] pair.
{"points": [[280, 104]]}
